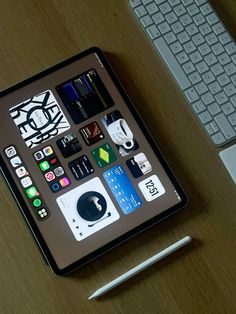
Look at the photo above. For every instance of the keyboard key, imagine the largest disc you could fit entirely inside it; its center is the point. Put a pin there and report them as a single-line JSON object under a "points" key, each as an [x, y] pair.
{"points": [[158, 18], [204, 49], [230, 90], [221, 98], [164, 27], [224, 126], [170, 59], [217, 69], [211, 39], [217, 49], [153, 31], [186, 19], [174, 2], [232, 119], [208, 77], [177, 27], [224, 58], [183, 37], [227, 108], [199, 106], [146, 20], [187, 2], [176, 47], [214, 87], [195, 77], [193, 9], [195, 57], [230, 68], [199, 19], [206, 9], [152, 8], [205, 29], [165, 8], [218, 28], [179, 10], [202, 67], [209, 129], [233, 79], [210, 59], [233, 100], [140, 11], [205, 117], [218, 138], [198, 39], [182, 57], [214, 126], [189, 47], [170, 37], [214, 109], [192, 29], [223, 79], [224, 38], [188, 67], [201, 88], [145, 2], [231, 48], [212, 18], [134, 3], [171, 17], [191, 94], [207, 98]]}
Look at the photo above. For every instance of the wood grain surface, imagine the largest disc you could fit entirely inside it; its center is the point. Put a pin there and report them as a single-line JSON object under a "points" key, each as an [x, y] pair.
{"points": [[200, 278]]}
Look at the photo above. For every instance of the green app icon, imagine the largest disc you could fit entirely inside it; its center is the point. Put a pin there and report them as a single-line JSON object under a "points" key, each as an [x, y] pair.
{"points": [[44, 165], [104, 155], [31, 192], [37, 202]]}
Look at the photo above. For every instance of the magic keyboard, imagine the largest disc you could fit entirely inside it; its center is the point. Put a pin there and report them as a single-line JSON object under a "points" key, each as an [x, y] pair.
{"points": [[201, 55]]}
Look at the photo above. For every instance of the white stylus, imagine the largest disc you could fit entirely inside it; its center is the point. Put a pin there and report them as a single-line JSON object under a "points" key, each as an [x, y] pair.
{"points": [[149, 262]]}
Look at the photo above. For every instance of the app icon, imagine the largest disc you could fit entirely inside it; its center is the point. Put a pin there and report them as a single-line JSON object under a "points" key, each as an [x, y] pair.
{"points": [[64, 182], [47, 150], [10, 151], [26, 182], [55, 187], [42, 213], [38, 155], [31, 192], [53, 161], [15, 161], [151, 188], [91, 133], [81, 167], [69, 145], [49, 176], [59, 171], [139, 165], [104, 155], [21, 172], [44, 165], [37, 202]]}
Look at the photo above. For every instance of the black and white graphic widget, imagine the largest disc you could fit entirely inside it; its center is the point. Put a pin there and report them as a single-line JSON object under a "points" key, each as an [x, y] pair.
{"points": [[87, 208], [39, 119]]}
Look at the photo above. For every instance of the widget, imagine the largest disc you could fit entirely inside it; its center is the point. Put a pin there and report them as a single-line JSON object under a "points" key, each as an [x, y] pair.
{"points": [[39, 119], [122, 189], [87, 208], [91, 133], [139, 165], [120, 133], [151, 188], [84, 96], [81, 167], [104, 155], [69, 145]]}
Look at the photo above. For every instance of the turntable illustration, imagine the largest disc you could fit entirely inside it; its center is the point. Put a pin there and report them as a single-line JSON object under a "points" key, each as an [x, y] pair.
{"points": [[87, 208]]}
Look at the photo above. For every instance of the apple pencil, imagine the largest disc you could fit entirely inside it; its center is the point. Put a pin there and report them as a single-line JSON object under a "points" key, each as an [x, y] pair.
{"points": [[149, 262]]}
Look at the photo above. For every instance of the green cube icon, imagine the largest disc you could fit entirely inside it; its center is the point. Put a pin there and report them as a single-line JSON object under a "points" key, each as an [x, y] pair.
{"points": [[104, 155], [44, 165], [31, 192]]}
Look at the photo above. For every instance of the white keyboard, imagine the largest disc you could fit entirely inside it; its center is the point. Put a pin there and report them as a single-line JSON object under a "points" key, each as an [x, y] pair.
{"points": [[201, 55]]}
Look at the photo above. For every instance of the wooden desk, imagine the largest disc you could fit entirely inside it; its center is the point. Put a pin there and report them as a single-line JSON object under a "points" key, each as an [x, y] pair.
{"points": [[199, 279]]}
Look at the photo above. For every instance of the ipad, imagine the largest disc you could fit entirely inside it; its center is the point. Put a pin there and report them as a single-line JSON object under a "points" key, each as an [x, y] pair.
{"points": [[83, 168]]}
